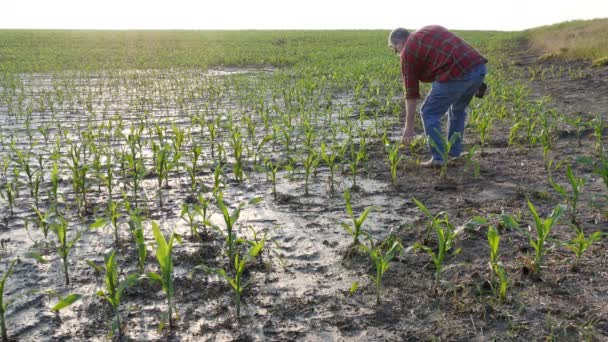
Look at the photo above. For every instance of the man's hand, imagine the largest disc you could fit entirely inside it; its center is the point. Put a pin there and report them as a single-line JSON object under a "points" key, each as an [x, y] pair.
{"points": [[408, 136]]}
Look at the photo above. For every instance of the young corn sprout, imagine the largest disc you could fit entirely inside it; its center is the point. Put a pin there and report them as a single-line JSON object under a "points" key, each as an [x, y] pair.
{"points": [[164, 251], [311, 161], [137, 230], [230, 219], [394, 159], [581, 242], [114, 289], [543, 228], [381, 256], [355, 231], [59, 225], [189, 213], [192, 170], [571, 197], [445, 241], [433, 220], [495, 267], [236, 282], [9, 192], [445, 151], [3, 302], [330, 161], [272, 169]]}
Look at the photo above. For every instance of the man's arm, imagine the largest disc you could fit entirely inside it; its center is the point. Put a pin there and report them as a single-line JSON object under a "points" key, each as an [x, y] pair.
{"points": [[410, 114]]}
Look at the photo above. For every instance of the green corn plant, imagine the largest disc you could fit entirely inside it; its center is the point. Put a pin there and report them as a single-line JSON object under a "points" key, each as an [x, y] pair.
{"points": [[543, 228], [381, 256], [571, 197], [23, 160], [161, 166], [445, 152], [79, 175], [9, 192], [3, 302], [258, 148], [230, 221], [355, 230], [495, 267], [36, 188], [54, 196], [218, 172], [41, 221], [493, 242], [394, 159], [236, 141], [113, 215], [330, 161], [114, 289], [503, 283], [484, 125], [135, 167], [445, 241], [59, 225], [192, 170], [598, 129], [236, 282], [189, 213], [137, 231], [513, 133], [580, 243], [272, 169], [164, 250], [579, 125], [310, 163], [433, 220], [213, 128], [108, 178]]}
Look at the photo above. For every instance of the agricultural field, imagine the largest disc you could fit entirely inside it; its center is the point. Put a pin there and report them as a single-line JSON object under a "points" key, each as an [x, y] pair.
{"points": [[226, 185]]}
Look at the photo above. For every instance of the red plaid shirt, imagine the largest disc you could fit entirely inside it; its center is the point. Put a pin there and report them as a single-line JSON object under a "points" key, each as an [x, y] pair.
{"points": [[435, 54]]}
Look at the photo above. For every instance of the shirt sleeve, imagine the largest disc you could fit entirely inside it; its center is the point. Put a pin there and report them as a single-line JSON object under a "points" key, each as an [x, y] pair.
{"points": [[411, 82]]}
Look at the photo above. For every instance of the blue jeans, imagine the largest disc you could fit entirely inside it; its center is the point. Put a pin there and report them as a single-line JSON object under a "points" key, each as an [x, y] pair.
{"points": [[450, 97]]}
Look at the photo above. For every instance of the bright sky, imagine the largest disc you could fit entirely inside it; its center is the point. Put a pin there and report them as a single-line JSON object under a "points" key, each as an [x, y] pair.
{"points": [[303, 14]]}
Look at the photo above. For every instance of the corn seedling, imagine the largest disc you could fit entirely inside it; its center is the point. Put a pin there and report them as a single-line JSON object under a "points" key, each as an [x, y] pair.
{"points": [[164, 250], [580, 243], [230, 219], [355, 230], [495, 267], [393, 158], [433, 220], [484, 125], [571, 197], [381, 256], [310, 163], [236, 282], [161, 166], [272, 169], [3, 302], [189, 213], [114, 289], [236, 141], [543, 228], [137, 231], [597, 125], [330, 161], [9, 192], [192, 170], [445, 240], [445, 151], [579, 125]]}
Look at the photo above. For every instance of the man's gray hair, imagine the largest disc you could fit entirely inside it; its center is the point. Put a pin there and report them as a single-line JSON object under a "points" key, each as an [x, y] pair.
{"points": [[397, 35]]}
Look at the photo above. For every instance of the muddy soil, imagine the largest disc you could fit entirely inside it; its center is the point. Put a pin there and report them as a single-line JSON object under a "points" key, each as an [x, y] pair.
{"points": [[300, 289]]}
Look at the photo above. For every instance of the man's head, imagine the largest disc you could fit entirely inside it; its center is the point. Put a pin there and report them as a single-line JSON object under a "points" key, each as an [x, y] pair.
{"points": [[397, 38]]}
